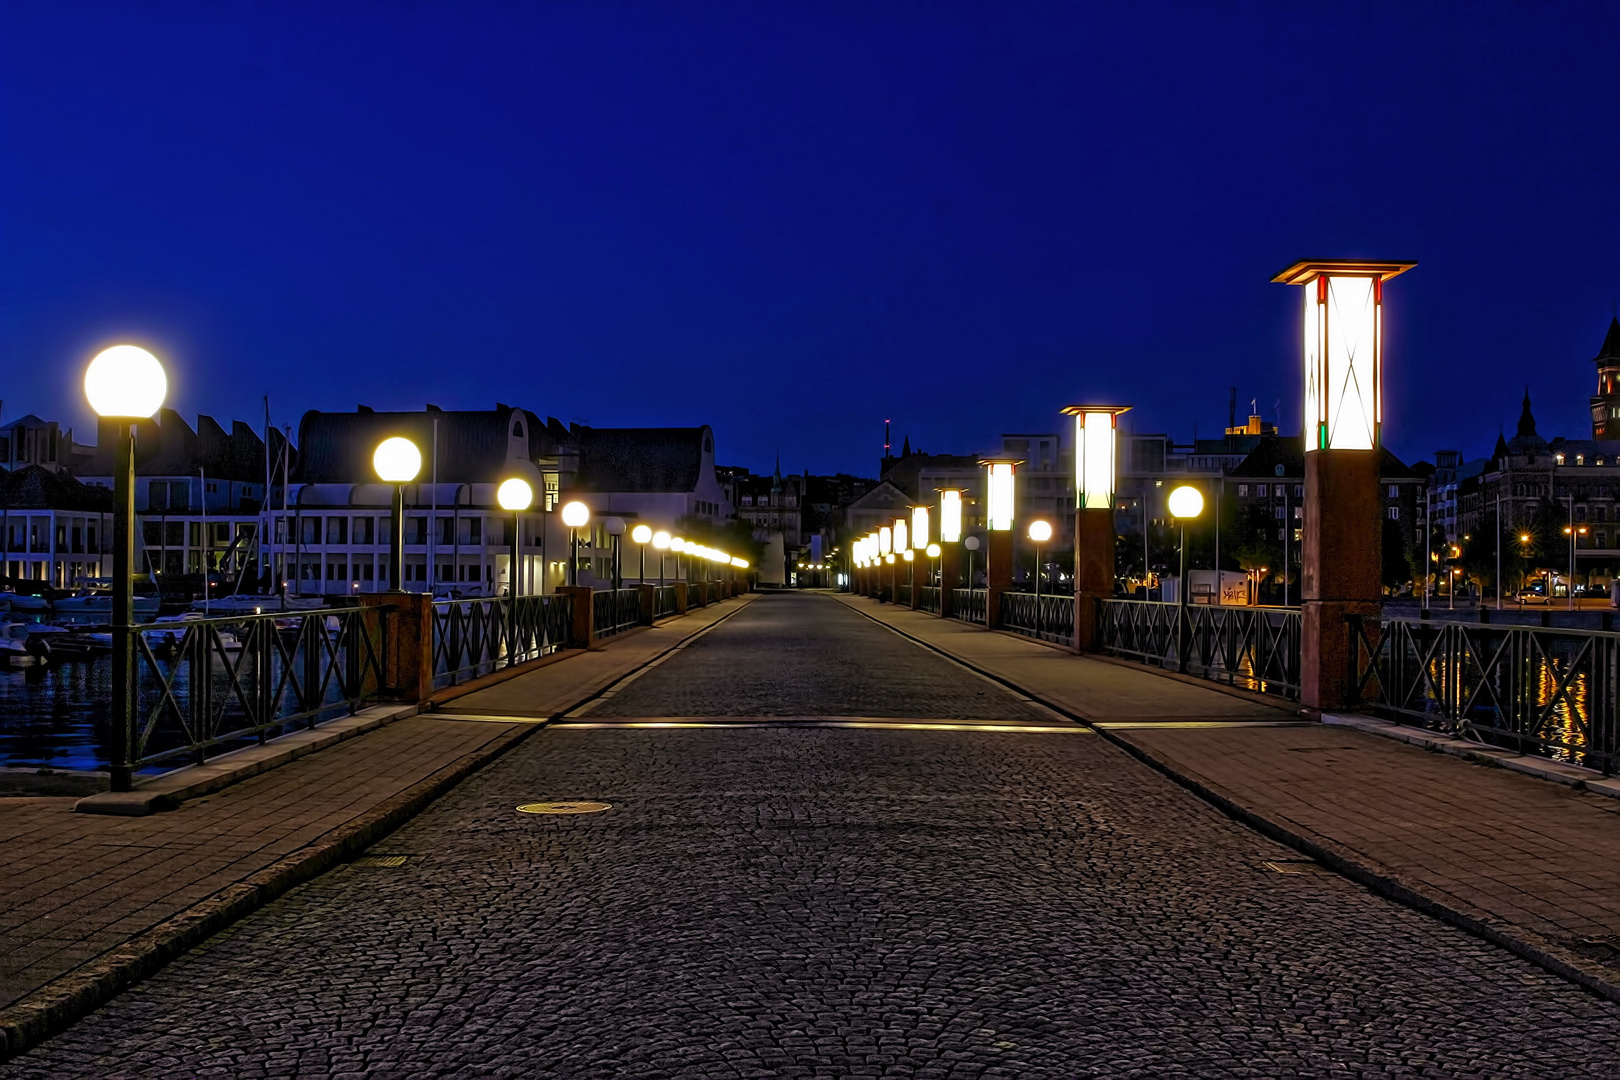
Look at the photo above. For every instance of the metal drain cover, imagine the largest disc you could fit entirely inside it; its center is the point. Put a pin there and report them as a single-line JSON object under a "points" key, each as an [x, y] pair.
{"points": [[379, 860], [564, 807]]}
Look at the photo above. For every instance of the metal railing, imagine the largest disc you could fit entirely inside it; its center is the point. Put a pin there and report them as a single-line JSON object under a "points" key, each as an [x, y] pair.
{"points": [[204, 686], [1535, 690], [476, 637], [1257, 648], [663, 601], [1048, 617], [902, 595], [696, 595], [614, 611], [930, 599], [969, 605]]}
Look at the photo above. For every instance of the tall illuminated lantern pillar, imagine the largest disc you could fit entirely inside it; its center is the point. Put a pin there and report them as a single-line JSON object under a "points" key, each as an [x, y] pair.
{"points": [[1096, 449], [950, 547], [999, 508], [920, 565], [1343, 524]]}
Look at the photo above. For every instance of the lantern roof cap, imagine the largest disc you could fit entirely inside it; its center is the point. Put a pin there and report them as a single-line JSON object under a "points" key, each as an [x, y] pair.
{"points": [[1308, 270], [1075, 410], [1001, 461]]}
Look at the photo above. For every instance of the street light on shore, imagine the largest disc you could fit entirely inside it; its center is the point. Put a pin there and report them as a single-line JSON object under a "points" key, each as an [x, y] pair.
{"points": [[1039, 533], [397, 461], [124, 383], [515, 495], [641, 534], [660, 540], [1185, 502], [575, 515]]}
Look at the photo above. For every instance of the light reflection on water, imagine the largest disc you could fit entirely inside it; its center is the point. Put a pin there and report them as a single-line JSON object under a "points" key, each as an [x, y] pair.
{"points": [[56, 716]]}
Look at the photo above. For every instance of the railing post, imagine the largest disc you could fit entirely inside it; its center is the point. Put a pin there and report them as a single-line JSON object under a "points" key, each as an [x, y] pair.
{"points": [[582, 630], [407, 651], [680, 598], [1340, 572], [998, 567], [649, 603]]}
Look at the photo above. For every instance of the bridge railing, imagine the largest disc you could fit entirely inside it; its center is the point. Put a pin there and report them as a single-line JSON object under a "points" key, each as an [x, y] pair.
{"points": [[663, 601], [1555, 693], [902, 595], [970, 605], [614, 611], [476, 637], [1047, 616], [204, 686], [929, 599], [1257, 648]]}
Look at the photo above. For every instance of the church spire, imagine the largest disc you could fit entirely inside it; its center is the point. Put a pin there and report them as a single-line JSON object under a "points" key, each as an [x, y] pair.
{"points": [[1527, 422], [1501, 450], [1611, 343]]}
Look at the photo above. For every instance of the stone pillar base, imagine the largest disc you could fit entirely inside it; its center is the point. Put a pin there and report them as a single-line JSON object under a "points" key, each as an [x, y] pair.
{"points": [[582, 632], [1325, 652], [408, 653]]}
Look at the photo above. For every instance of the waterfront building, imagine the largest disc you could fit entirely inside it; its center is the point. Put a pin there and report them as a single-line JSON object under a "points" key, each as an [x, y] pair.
{"points": [[55, 529]]}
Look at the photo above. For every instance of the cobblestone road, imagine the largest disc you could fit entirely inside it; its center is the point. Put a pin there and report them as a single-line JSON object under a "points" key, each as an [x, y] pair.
{"points": [[834, 902]]}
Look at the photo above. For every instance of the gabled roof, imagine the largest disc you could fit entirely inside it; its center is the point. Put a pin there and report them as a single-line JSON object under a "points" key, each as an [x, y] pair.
{"points": [[38, 488], [641, 459], [336, 448], [1289, 452]]}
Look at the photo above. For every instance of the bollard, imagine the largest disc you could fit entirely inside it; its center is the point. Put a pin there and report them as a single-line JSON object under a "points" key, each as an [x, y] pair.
{"points": [[649, 602], [582, 628], [407, 640]]}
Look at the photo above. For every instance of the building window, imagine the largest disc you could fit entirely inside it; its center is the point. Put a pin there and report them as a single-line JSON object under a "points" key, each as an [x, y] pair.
{"points": [[337, 530], [1260, 490], [1394, 513], [1299, 491], [475, 530], [1243, 491], [1580, 459], [1602, 539], [1278, 513], [1559, 458], [1394, 492]]}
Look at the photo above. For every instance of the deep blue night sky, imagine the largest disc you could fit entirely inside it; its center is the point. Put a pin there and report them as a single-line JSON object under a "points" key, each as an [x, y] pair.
{"points": [[791, 221]]}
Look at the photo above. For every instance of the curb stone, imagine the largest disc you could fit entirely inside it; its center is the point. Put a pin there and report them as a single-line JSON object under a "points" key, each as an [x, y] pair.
{"points": [[1551, 956]]}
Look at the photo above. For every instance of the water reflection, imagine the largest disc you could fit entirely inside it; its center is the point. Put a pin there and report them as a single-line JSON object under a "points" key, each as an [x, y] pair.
{"points": [[56, 717]]}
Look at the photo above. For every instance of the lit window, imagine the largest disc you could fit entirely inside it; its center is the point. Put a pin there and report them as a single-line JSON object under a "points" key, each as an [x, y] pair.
{"points": [[1580, 459], [1243, 491], [1559, 458], [1394, 513], [1394, 491]]}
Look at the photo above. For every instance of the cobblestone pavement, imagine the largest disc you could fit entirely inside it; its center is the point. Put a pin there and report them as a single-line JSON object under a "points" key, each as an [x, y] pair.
{"points": [[820, 902]]}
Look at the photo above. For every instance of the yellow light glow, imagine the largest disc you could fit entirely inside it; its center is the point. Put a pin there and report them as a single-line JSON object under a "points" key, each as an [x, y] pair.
{"points": [[1094, 441], [889, 558], [514, 494], [575, 514], [919, 526], [125, 381], [933, 551], [1186, 502], [950, 516], [900, 534], [1000, 495], [397, 460], [661, 540], [641, 534], [741, 564], [883, 540], [1040, 531]]}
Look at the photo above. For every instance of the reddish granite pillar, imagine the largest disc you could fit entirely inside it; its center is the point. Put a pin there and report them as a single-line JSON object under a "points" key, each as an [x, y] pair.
{"points": [[1343, 533]]}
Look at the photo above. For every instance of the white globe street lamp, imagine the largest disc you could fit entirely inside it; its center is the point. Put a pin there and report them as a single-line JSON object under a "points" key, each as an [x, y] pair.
{"points": [[575, 515], [1039, 533], [397, 461], [514, 494], [1185, 502], [124, 383], [641, 534]]}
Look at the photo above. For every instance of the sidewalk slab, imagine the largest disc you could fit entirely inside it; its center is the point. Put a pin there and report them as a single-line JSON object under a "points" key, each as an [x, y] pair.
{"points": [[1531, 865]]}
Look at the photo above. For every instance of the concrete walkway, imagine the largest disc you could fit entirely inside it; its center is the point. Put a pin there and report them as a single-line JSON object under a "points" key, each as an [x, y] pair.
{"points": [[1532, 865], [91, 903]]}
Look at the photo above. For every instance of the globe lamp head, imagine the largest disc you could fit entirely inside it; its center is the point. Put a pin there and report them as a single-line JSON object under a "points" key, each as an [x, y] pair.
{"points": [[125, 381], [641, 534], [397, 460], [514, 494], [575, 514], [1040, 531], [1186, 502]]}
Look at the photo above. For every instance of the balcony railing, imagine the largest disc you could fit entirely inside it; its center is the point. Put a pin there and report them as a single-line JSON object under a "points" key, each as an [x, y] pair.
{"points": [[1257, 648], [1048, 617], [930, 599], [969, 605], [614, 611], [205, 686], [1535, 690], [476, 637]]}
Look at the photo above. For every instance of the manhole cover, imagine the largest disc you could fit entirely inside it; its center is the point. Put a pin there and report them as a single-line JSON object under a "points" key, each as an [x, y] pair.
{"points": [[564, 807], [380, 860]]}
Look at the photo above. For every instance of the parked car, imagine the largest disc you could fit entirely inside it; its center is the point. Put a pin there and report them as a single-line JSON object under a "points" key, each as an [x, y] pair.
{"points": [[1530, 596]]}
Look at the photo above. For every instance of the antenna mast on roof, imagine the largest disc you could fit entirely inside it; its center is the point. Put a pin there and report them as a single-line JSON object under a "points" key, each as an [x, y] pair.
{"points": [[885, 438]]}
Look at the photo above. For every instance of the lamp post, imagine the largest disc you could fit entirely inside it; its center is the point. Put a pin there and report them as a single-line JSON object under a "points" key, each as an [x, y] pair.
{"points": [[660, 540], [641, 534], [397, 461], [124, 383], [1000, 508], [575, 515], [971, 544], [515, 495], [1096, 468], [1185, 502], [615, 528], [1343, 361], [1039, 533]]}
